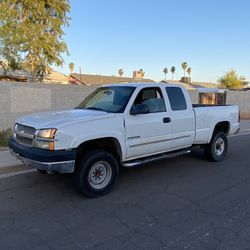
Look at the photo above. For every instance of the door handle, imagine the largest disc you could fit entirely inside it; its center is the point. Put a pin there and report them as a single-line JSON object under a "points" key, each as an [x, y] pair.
{"points": [[166, 119]]}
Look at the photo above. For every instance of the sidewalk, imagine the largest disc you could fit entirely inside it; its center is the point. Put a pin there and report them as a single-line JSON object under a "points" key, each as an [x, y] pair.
{"points": [[7, 160], [10, 166]]}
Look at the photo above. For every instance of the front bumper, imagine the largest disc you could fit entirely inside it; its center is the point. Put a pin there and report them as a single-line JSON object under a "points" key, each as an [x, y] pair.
{"points": [[61, 161]]}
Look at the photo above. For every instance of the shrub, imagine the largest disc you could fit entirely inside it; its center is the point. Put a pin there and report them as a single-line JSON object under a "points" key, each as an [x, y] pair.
{"points": [[231, 80], [4, 137]]}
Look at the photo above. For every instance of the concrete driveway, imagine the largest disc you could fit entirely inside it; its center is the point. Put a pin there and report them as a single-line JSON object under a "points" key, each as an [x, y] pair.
{"points": [[181, 203]]}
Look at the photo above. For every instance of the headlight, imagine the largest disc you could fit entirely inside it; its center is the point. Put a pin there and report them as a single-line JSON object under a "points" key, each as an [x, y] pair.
{"points": [[46, 133], [44, 139]]}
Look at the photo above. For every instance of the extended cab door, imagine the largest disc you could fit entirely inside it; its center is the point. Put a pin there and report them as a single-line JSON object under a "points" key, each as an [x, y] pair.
{"points": [[182, 117], [149, 133]]}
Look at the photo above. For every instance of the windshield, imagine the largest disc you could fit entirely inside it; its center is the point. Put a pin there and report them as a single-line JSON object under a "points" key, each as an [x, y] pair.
{"points": [[108, 99]]}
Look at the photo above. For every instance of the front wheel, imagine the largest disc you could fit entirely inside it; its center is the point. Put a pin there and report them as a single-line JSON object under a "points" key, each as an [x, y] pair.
{"points": [[96, 173], [216, 150]]}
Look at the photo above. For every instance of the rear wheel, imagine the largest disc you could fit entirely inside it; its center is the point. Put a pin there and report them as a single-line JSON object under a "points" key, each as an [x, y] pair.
{"points": [[216, 150], [96, 173]]}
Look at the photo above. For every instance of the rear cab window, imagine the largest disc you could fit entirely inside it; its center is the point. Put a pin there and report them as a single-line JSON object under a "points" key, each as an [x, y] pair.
{"points": [[176, 98]]}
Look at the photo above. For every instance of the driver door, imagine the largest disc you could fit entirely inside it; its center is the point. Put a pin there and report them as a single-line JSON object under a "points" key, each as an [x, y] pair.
{"points": [[150, 133]]}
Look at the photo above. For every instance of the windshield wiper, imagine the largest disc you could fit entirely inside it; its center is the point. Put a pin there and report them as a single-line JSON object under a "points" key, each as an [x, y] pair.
{"points": [[95, 108]]}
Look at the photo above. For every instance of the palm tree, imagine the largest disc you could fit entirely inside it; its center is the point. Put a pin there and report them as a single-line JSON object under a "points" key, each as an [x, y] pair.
{"points": [[71, 67], [189, 71], [184, 66], [173, 71], [120, 72], [165, 71]]}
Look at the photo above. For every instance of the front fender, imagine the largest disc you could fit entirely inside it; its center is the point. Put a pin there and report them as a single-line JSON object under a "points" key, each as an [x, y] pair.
{"points": [[117, 136]]}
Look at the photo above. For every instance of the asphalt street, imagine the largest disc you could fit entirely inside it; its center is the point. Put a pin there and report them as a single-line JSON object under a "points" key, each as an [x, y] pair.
{"points": [[180, 203]]}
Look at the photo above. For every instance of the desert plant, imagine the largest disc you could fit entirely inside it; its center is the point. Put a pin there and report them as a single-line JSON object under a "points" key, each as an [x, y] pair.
{"points": [[4, 137]]}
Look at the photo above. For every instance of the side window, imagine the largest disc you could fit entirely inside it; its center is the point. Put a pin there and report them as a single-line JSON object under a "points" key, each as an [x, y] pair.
{"points": [[176, 98], [153, 98]]}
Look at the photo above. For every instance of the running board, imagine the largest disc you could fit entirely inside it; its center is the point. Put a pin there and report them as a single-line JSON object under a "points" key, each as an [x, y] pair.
{"points": [[154, 158]]}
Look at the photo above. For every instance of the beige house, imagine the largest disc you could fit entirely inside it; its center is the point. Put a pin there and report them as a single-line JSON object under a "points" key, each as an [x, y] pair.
{"points": [[55, 76], [193, 85], [52, 76], [87, 79]]}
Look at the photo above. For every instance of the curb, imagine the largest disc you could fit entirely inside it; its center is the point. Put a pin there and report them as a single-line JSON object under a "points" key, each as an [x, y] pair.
{"points": [[14, 170], [8, 161], [4, 149], [11, 165]]}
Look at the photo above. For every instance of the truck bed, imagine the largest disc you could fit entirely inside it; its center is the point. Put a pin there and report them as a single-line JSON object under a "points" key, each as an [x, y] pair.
{"points": [[206, 116]]}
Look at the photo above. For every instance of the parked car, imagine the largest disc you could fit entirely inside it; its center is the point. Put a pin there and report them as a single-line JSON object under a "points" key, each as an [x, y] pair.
{"points": [[121, 125]]}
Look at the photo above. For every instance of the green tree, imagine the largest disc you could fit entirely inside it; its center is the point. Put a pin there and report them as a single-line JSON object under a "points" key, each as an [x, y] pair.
{"points": [[173, 71], [184, 66], [31, 34], [71, 67], [165, 71], [189, 70], [120, 72], [231, 80]]}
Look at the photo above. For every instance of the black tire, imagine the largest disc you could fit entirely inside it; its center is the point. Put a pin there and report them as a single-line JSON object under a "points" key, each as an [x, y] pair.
{"points": [[86, 175], [216, 150]]}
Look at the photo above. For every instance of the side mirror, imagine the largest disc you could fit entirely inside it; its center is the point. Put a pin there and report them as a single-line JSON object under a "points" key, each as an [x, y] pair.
{"points": [[140, 109]]}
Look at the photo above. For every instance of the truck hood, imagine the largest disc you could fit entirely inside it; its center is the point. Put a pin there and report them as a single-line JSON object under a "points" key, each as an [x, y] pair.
{"points": [[58, 119]]}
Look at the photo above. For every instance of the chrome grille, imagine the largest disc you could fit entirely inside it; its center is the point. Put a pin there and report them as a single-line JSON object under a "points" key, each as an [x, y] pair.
{"points": [[24, 134]]}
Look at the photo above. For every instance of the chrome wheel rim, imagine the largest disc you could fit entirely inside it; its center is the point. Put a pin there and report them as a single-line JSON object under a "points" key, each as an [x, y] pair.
{"points": [[100, 175], [219, 146]]}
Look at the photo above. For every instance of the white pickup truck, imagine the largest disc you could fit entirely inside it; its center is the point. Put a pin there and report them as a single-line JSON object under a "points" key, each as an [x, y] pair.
{"points": [[121, 125]]}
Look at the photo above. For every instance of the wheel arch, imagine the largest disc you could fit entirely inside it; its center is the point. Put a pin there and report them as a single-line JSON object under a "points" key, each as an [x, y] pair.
{"points": [[222, 126], [109, 144]]}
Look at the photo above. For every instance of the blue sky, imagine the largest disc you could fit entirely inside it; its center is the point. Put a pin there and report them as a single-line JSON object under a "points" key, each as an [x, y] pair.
{"points": [[211, 36]]}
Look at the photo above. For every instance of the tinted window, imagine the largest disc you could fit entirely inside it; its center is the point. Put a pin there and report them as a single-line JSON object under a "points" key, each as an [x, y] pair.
{"points": [[176, 98]]}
